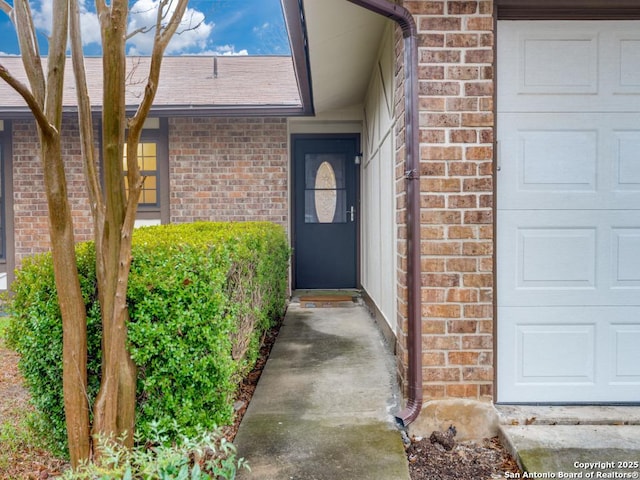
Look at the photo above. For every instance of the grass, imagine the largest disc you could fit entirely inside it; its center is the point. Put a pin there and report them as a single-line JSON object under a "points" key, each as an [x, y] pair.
{"points": [[17, 436]]}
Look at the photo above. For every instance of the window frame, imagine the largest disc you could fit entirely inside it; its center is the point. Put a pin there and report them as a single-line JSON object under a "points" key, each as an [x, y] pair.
{"points": [[159, 136], [7, 263]]}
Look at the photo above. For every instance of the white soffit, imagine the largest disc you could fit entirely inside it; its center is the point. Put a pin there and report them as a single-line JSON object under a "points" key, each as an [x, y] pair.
{"points": [[343, 42]]}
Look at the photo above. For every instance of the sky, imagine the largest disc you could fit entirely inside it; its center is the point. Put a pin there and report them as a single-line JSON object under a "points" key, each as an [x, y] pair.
{"points": [[224, 27]]}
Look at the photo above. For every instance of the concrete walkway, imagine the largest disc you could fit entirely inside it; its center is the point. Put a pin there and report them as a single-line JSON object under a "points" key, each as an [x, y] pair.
{"points": [[573, 441], [323, 406]]}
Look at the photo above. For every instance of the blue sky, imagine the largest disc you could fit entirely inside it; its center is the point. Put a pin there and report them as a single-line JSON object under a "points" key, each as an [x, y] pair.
{"points": [[226, 27]]}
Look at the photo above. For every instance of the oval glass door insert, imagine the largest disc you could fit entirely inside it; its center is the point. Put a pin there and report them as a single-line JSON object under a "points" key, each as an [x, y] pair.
{"points": [[326, 195]]}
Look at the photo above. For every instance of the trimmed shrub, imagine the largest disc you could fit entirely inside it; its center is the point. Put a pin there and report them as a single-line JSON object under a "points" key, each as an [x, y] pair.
{"points": [[35, 331], [200, 297]]}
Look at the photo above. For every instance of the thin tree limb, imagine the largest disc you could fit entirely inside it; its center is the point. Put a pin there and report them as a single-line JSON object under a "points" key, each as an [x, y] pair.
{"points": [[85, 118], [101, 7], [29, 51], [137, 31], [162, 37], [6, 8], [32, 103]]}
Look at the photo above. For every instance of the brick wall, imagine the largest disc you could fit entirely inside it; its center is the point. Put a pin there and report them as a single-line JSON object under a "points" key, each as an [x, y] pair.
{"points": [[456, 148], [31, 224], [220, 169], [232, 169]]}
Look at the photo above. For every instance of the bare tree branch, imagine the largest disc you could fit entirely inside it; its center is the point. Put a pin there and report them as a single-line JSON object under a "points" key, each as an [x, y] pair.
{"points": [[56, 59], [31, 101], [161, 41], [142, 29], [137, 31], [29, 50], [85, 121], [191, 26], [101, 7], [6, 8]]}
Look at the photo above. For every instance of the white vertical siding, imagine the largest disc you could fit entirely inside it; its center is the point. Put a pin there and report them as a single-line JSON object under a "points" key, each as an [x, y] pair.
{"points": [[378, 196]]}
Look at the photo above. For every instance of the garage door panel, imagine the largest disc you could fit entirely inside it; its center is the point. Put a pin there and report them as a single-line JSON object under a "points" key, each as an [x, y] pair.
{"points": [[572, 161], [558, 354], [551, 258], [565, 257], [625, 77], [626, 146], [625, 361], [625, 248], [564, 64], [558, 160], [567, 66]]}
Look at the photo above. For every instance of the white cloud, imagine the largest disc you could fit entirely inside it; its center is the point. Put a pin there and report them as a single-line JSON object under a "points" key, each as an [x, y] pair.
{"points": [[193, 33], [228, 50], [89, 24], [42, 16], [261, 28]]}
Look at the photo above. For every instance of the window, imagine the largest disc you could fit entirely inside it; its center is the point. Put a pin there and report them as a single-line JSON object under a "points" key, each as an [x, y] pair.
{"points": [[148, 164], [153, 161]]}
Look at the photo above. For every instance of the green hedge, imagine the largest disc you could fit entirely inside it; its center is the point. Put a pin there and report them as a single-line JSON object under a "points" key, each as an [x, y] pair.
{"points": [[200, 296]]}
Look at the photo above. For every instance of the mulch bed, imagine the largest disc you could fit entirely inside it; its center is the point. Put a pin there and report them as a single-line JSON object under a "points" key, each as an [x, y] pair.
{"points": [[466, 460]]}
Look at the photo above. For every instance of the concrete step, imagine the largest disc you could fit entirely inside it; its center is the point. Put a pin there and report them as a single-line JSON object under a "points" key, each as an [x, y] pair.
{"points": [[575, 451], [568, 415]]}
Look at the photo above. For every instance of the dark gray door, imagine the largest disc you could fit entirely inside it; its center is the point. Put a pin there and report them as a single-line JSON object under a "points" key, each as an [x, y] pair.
{"points": [[325, 212]]}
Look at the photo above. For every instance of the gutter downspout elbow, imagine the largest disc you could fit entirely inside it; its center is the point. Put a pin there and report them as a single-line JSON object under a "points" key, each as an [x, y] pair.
{"points": [[405, 20]]}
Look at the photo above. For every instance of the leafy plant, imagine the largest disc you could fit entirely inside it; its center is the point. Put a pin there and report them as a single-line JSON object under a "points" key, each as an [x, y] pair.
{"points": [[4, 325], [200, 297], [206, 456]]}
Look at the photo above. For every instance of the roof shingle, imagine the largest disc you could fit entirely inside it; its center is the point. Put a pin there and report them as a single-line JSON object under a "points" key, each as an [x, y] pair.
{"points": [[187, 83]]}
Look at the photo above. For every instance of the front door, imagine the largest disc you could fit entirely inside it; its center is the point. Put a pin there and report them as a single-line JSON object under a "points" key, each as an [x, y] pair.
{"points": [[325, 211]]}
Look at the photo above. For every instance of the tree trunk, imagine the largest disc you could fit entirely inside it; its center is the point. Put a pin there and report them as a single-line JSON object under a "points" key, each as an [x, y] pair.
{"points": [[72, 308], [74, 324], [114, 410]]}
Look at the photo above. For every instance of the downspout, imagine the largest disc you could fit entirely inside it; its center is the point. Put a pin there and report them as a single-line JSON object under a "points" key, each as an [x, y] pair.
{"points": [[405, 20]]}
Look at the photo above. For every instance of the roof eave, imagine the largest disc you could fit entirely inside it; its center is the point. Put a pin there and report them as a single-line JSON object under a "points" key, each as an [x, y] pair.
{"points": [[229, 110], [185, 111], [297, 30]]}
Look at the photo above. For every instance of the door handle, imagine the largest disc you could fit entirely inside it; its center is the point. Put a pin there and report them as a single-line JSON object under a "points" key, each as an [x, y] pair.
{"points": [[352, 213]]}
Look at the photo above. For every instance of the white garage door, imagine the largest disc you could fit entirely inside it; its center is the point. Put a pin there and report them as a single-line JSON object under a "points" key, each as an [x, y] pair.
{"points": [[568, 219]]}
